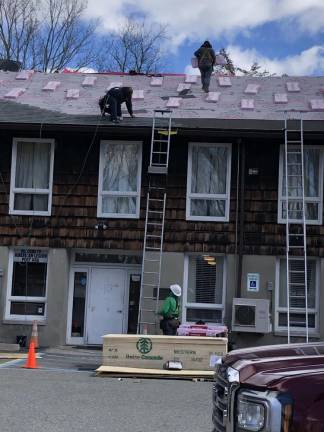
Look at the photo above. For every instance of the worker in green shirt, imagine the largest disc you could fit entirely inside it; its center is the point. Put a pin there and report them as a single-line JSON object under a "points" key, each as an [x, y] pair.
{"points": [[170, 311]]}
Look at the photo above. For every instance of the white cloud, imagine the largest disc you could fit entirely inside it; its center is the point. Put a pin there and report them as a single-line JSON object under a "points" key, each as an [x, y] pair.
{"points": [[307, 62], [189, 19]]}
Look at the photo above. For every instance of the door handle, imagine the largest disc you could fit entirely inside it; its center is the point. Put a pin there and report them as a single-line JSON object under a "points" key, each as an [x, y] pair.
{"points": [[119, 311]]}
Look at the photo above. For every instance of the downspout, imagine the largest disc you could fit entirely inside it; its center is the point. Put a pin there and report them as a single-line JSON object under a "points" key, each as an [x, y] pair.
{"points": [[241, 145]]}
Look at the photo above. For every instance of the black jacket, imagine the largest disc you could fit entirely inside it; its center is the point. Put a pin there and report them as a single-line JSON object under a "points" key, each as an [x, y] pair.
{"points": [[119, 94]]}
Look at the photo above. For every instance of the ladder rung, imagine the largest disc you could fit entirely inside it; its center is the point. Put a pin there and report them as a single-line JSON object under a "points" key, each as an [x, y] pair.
{"points": [[150, 272], [152, 248], [158, 169], [148, 284], [147, 322], [155, 211], [156, 188], [156, 199], [149, 298], [160, 141], [302, 284], [147, 310], [297, 271], [153, 236], [151, 260], [163, 111], [299, 323], [294, 142], [155, 223]]}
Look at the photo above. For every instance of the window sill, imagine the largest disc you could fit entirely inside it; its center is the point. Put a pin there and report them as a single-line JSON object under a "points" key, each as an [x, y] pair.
{"points": [[206, 219], [118, 216], [23, 322], [28, 213]]}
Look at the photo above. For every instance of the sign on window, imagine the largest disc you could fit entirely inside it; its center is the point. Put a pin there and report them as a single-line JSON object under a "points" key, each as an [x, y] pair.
{"points": [[31, 255]]}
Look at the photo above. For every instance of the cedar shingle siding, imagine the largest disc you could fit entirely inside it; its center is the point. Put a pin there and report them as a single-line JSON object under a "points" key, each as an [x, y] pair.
{"points": [[74, 208]]}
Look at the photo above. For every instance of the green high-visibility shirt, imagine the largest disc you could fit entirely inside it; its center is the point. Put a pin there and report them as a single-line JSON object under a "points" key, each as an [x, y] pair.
{"points": [[170, 308]]}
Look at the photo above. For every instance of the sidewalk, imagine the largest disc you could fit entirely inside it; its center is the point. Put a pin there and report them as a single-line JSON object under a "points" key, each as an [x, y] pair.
{"points": [[68, 358]]}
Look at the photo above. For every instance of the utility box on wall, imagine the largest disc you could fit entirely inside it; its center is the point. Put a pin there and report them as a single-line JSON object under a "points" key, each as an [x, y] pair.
{"points": [[251, 315]]}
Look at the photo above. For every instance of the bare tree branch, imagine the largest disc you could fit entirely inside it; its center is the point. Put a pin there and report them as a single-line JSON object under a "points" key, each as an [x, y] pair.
{"points": [[18, 25], [46, 34], [135, 47]]}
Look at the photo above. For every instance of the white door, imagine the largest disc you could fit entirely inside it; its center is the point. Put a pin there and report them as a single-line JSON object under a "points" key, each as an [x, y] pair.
{"points": [[105, 303]]}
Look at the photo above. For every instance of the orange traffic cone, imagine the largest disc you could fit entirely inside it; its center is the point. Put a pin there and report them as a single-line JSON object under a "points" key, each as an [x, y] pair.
{"points": [[31, 362], [34, 335]]}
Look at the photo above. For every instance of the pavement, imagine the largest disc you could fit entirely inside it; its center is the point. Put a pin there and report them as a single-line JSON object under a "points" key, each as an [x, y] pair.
{"points": [[65, 395]]}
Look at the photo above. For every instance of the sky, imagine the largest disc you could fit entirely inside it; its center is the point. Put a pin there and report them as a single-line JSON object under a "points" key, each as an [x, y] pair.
{"points": [[283, 36]]}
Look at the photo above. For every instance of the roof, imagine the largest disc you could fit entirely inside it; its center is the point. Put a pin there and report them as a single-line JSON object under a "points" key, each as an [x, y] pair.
{"points": [[72, 98]]}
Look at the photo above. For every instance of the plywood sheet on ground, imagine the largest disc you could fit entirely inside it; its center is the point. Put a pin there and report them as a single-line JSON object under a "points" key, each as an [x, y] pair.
{"points": [[153, 373]]}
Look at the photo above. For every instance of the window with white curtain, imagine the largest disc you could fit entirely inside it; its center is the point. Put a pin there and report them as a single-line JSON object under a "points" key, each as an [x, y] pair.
{"points": [[313, 186], [31, 176], [204, 296], [208, 182], [297, 301], [27, 285], [119, 179]]}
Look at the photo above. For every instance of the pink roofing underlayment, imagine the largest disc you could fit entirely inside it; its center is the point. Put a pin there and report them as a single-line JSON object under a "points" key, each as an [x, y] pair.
{"points": [[280, 98], [15, 93], [268, 98]]}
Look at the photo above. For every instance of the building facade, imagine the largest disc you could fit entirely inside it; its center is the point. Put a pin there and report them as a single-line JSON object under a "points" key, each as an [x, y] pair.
{"points": [[73, 201]]}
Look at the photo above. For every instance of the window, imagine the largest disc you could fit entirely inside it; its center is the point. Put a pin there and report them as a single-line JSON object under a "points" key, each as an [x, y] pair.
{"points": [[204, 297], [119, 179], [297, 296], [208, 182], [313, 181], [31, 176], [26, 293]]}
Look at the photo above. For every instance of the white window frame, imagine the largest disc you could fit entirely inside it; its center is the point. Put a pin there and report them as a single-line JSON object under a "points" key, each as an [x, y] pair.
{"points": [[282, 198], [208, 306], [225, 197], [136, 194], [10, 298], [297, 331], [14, 190]]}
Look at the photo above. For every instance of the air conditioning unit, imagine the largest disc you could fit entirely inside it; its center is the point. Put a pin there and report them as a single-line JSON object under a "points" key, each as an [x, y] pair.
{"points": [[251, 315]]}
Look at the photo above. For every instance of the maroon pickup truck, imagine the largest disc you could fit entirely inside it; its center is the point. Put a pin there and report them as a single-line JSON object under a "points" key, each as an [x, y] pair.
{"points": [[278, 388]]}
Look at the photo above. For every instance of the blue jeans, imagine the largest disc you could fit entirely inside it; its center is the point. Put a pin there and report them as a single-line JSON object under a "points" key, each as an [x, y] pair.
{"points": [[205, 72]]}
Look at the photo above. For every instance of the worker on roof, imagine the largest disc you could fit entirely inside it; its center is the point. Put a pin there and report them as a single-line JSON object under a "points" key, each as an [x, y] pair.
{"points": [[206, 60], [111, 102], [170, 311]]}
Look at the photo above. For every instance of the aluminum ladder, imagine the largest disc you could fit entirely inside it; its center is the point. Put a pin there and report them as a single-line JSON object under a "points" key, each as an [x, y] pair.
{"points": [[160, 142], [154, 222], [295, 211]]}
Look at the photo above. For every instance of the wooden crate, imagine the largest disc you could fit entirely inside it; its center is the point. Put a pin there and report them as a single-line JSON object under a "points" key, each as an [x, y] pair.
{"points": [[153, 351]]}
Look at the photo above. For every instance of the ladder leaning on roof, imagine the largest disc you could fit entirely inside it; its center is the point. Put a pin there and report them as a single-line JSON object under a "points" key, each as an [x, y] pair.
{"points": [[295, 211], [154, 221]]}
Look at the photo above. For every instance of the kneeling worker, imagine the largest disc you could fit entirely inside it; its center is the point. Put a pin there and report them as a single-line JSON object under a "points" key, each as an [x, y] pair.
{"points": [[170, 311], [111, 102]]}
